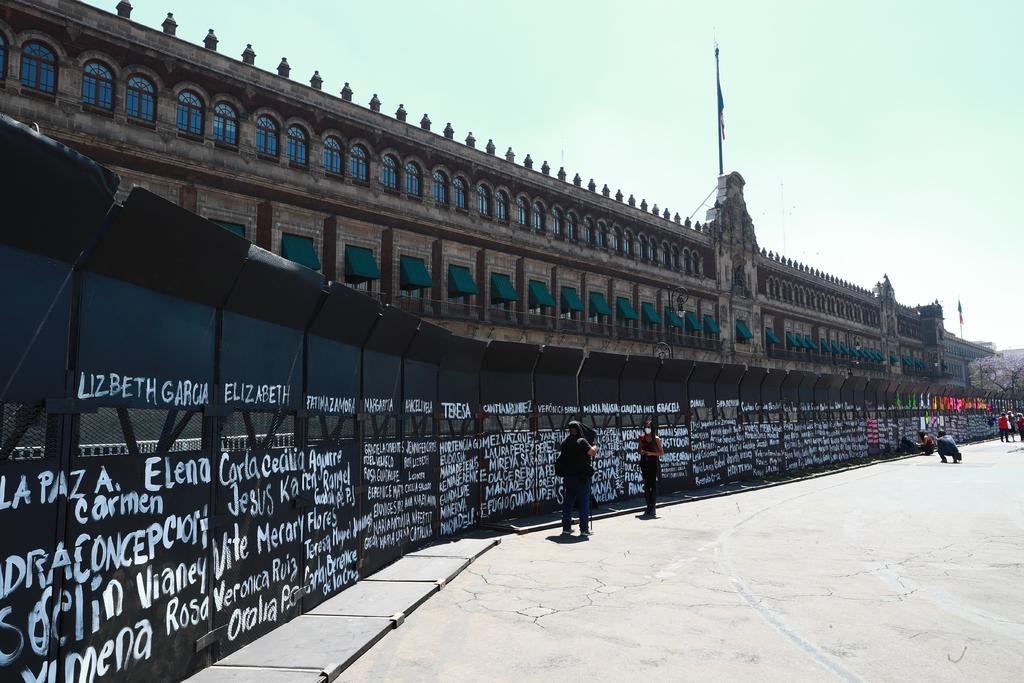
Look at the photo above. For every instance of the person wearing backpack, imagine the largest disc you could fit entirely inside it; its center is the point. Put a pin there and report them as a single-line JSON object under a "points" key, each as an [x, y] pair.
{"points": [[651, 450], [575, 467]]}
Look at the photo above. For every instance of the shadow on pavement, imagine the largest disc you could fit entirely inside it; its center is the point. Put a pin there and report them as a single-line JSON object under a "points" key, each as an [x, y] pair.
{"points": [[567, 539]]}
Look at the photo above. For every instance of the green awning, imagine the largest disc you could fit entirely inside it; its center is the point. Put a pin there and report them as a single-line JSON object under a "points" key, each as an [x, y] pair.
{"points": [[360, 265], [301, 250], [598, 304], [876, 354], [920, 363], [231, 227], [709, 322], [893, 358], [825, 346], [810, 343], [502, 290], [692, 323], [770, 336], [624, 309], [791, 342], [460, 282], [742, 331], [650, 315], [856, 353], [570, 300], [907, 361], [673, 319], [412, 274], [540, 296], [843, 349]]}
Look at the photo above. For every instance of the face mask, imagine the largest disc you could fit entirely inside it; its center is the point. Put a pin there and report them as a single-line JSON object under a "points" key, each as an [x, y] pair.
{"points": [[648, 430]]}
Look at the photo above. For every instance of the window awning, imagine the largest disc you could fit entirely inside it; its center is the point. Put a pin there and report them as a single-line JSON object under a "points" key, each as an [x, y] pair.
{"points": [[571, 300], [742, 331], [301, 250], [709, 322], [502, 290], [650, 314], [540, 295], [843, 349], [810, 343], [598, 304], [877, 355], [232, 227], [412, 273], [771, 337], [672, 318], [826, 346], [791, 342], [360, 265], [692, 323], [460, 281], [920, 363], [625, 309], [893, 358], [856, 353], [907, 361]]}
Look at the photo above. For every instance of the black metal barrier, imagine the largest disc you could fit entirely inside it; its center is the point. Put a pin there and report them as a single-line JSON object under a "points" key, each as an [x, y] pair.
{"points": [[201, 440]]}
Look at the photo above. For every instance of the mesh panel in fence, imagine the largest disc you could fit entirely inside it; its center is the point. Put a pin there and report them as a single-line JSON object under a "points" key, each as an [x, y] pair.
{"points": [[137, 431], [27, 432]]}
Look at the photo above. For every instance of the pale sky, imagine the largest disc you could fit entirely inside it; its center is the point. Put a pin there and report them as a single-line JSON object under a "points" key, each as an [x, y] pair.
{"points": [[894, 130]]}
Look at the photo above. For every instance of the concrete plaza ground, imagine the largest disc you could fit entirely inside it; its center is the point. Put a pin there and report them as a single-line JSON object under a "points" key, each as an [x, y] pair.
{"points": [[908, 570]]}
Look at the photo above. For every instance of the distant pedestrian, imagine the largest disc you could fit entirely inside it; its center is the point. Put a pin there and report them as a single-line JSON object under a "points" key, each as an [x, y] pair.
{"points": [[1004, 427], [1020, 425], [947, 446], [925, 444], [651, 450], [575, 467]]}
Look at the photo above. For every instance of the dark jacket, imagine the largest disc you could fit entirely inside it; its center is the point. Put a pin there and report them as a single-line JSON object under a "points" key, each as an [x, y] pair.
{"points": [[947, 446], [574, 457]]}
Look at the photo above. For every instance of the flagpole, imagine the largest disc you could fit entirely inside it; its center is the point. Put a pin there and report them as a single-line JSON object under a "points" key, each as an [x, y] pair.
{"points": [[718, 126]]}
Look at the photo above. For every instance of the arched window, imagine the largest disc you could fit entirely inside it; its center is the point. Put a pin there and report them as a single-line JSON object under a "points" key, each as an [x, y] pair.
{"points": [[675, 258], [653, 251], [616, 241], [570, 227], [358, 167], [389, 172], [266, 136], [556, 223], [3, 58], [38, 68], [539, 215], [459, 194], [332, 155], [140, 99], [627, 245], [501, 205], [413, 179], [225, 124], [666, 256], [298, 146], [687, 262], [190, 113], [588, 231], [522, 212], [97, 85], [643, 249], [483, 200], [440, 187]]}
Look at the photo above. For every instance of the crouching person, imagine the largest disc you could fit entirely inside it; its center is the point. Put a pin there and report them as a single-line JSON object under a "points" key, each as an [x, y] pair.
{"points": [[575, 468], [947, 447]]}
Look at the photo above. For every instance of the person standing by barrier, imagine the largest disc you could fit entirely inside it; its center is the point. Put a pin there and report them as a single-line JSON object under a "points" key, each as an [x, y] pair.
{"points": [[651, 450], [1004, 427], [947, 446], [575, 467], [1020, 425]]}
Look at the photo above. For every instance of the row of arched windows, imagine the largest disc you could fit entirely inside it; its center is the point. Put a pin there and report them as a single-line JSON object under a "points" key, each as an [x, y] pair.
{"points": [[99, 88], [818, 301]]}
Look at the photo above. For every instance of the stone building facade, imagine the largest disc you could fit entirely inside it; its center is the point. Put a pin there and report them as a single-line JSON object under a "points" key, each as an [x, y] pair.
{"points": [[438, 224]]}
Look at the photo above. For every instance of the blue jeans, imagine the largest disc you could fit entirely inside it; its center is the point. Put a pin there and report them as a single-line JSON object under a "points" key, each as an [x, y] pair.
{"points": [[577, 488]]}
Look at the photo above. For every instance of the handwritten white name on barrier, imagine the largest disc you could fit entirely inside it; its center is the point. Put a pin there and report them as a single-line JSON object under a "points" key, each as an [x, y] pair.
{"points": [[151, 390]]}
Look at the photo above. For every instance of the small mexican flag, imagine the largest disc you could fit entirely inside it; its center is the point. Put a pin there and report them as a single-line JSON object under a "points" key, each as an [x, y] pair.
{"points": [[960, 310]]}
